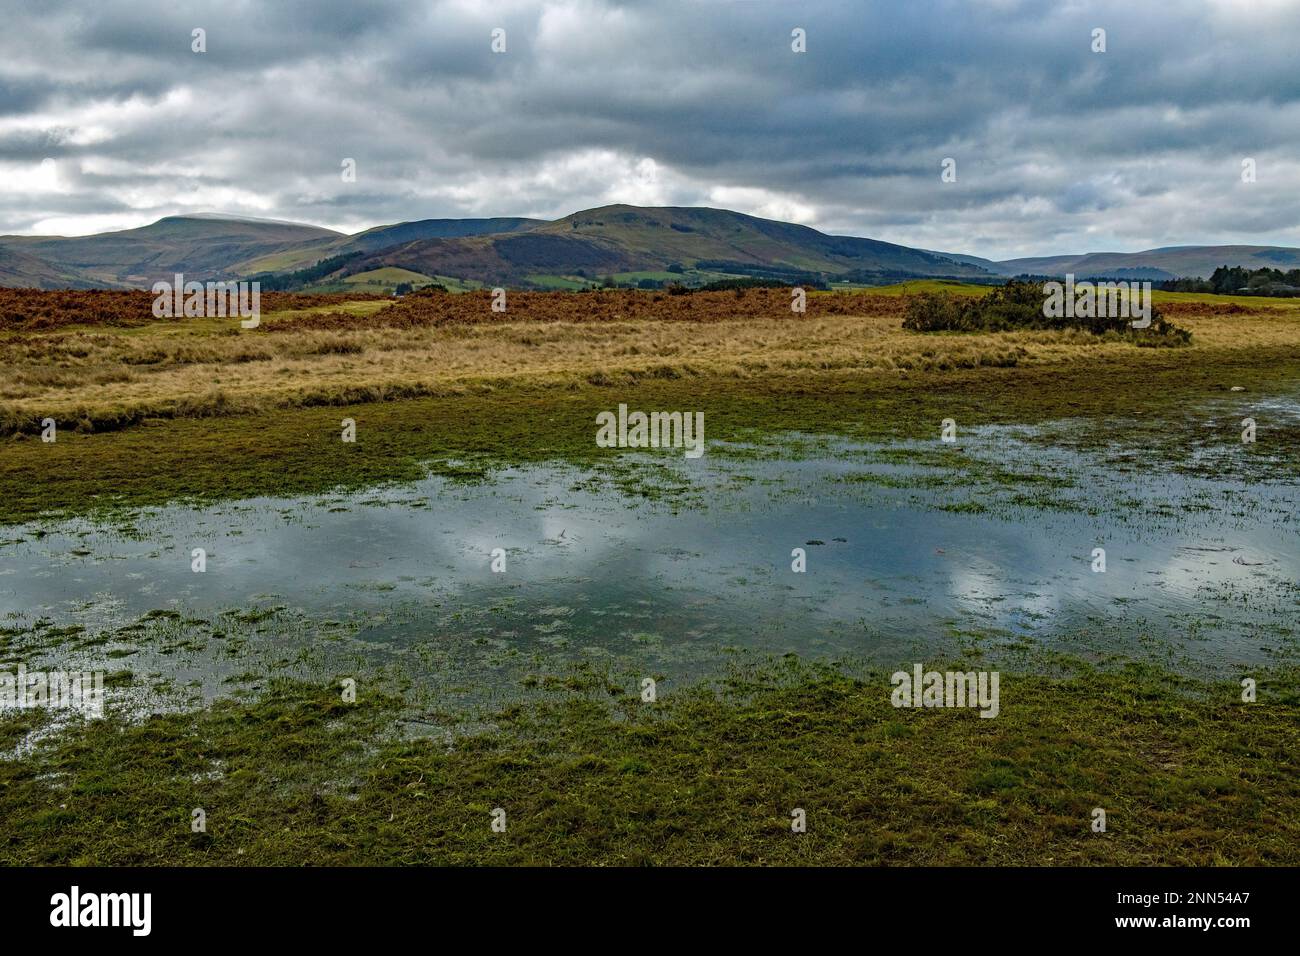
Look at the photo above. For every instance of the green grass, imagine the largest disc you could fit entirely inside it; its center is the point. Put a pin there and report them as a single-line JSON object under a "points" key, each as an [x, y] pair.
{"points": [[660, 275], [1187, 774], [686, 277], [956, 287], [452, 284], [1149, 403], [287, 260], [1250, 301], [573, 283], [389, 275], [916, 286], [589, 774], [551, 282], [380, 281]]}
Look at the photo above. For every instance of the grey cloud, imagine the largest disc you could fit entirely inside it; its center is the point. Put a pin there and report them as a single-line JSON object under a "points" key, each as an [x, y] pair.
{"points": [[1054, 143]]}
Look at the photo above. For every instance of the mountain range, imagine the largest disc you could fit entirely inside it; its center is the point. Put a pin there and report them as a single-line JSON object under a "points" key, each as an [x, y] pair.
{"points": [[1169, 262], [619, 242]]}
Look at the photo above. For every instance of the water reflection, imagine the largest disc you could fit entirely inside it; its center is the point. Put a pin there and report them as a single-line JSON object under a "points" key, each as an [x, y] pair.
{"points": [[591, 574]]}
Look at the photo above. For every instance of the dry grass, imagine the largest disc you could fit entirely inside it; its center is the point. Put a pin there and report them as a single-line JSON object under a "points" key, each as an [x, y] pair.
{"points": [[375, 351], [43, 310]]}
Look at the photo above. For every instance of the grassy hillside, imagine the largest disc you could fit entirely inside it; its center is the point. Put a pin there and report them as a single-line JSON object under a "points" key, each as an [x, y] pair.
{"points": [[298, 256], [199, 246], [629, 243], [688, 235], [381, 237], [915, 286], [19, 269], [388, 276], [622, 240], [1170, 262], [376, 281]]}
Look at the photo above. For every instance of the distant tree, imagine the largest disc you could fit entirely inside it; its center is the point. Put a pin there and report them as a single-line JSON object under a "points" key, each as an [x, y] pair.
{"points": [[1229, 280]]}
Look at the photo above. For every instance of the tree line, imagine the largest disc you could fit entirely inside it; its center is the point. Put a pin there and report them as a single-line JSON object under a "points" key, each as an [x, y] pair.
{"points": [[1237, 280]]}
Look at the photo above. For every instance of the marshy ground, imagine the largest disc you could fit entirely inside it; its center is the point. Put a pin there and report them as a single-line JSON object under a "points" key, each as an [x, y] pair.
{"points": [[522, 690]]}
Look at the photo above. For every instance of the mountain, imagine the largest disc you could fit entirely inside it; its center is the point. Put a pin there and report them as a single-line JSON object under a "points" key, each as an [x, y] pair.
{"points": [[381, 237], [630, 243], [20, 270], [202, 247], [1168, 262], [988, 265], [611, 240]]}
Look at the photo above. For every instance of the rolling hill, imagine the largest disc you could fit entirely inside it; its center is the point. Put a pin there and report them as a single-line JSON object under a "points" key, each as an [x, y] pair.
{"points": [[610, 240], [19, 269], [203, 247], [381, 237], [618, 239], [1169, 262], [630, 243]]}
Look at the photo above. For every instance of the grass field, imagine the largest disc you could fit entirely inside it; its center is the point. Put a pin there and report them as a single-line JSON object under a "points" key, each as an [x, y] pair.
{"points": [[1160, 297], [198, 411], [595, 777], [387, 276], [187, 392], [563, 283], [98, 377]]}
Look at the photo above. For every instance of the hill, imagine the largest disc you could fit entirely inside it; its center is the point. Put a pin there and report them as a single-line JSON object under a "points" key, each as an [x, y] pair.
{"points": [[19, 269], [381, 237], [202, 247], [1168, 262], [631, 244], [619, 239]]}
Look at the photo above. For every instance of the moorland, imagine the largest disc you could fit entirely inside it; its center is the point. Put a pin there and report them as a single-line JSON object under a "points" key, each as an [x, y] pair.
{"points": [[197, 413]]}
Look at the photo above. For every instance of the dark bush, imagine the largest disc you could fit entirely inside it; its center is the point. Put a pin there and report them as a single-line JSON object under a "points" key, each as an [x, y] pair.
{"points": [[1020, 305]]}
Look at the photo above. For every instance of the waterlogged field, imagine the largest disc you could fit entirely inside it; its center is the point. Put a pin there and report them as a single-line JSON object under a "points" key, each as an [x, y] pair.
{"points": [[637, 656]]}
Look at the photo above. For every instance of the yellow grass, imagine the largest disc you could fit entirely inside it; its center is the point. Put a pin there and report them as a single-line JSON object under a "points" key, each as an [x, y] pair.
{"points": [[202, 366]]}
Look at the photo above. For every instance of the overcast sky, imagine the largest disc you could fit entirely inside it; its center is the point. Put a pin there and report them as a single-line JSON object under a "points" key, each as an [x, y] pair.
{"points": [[109, 120]]}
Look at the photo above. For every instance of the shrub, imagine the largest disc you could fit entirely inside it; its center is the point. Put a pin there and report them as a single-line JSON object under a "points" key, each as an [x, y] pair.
{"points": [[1019, 305]]}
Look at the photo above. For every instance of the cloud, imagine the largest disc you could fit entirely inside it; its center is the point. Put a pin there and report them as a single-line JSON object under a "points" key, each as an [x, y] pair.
{"points": [[1058, 148]]}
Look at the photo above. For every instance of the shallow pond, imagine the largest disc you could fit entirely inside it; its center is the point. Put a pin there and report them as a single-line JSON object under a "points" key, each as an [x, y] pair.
{"points": [[908, 557]]}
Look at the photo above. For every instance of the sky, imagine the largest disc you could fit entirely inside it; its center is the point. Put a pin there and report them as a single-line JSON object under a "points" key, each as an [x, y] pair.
{"points": [[109, 118]]}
